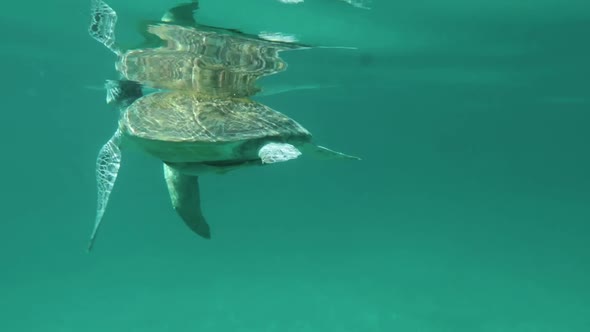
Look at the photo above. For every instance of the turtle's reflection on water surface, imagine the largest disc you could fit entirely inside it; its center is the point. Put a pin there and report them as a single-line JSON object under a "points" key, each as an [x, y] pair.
{"points": [[200, 119]]}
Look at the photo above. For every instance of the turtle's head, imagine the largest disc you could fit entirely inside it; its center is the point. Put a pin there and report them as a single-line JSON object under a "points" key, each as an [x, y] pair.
{"points": [[122, 92]]}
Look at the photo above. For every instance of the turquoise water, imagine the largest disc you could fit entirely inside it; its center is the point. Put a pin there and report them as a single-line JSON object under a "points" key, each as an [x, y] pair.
{"points": [[469, 211]]}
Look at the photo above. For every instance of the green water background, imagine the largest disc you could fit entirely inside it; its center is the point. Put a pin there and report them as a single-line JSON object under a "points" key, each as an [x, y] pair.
{"points": [[469, 211]]}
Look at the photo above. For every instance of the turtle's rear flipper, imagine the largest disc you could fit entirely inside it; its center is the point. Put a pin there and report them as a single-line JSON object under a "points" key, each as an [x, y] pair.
{"points": [[186, 200], [182, 14], [321, 152], [103, 20], [107, 168]]}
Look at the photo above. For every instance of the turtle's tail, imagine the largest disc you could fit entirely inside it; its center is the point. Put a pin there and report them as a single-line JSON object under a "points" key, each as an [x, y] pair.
{"points": [[322, 152], [103, 20]]}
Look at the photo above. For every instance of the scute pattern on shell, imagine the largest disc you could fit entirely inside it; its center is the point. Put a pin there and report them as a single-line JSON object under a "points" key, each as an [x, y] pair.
{"points": [[188, 117], [209, 62]]}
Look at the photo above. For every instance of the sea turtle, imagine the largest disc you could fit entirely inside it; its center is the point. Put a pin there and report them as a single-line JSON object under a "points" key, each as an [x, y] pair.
{"points": [[194, 135], [178, 53]]}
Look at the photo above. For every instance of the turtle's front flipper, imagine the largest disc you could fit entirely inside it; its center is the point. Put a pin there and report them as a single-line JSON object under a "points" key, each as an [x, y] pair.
{"points": [[107, 168], [186, 200], [103, 20]]}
